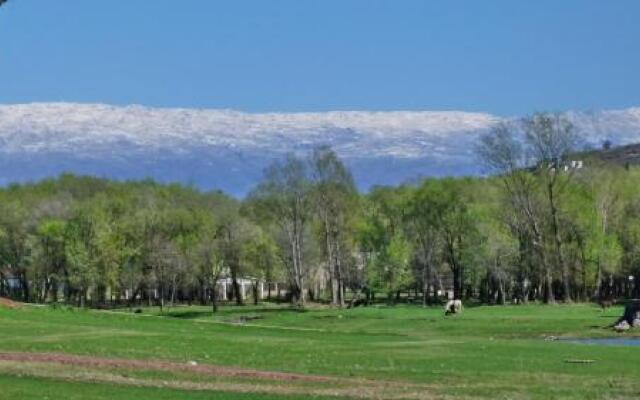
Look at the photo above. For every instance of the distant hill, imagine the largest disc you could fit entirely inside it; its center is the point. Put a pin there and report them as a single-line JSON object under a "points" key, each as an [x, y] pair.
{"points": [[229, 149], [621, 155]]}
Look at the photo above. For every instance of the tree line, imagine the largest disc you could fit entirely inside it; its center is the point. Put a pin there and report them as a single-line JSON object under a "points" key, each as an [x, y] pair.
{"points": [[542, 226]]}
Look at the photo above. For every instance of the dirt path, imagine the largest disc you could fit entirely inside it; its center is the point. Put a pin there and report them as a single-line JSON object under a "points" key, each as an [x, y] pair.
{"points": [[257, 381], [206, 369]]}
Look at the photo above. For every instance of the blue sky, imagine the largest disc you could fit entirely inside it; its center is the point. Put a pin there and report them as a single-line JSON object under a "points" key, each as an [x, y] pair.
{"points": [[504, 57]]}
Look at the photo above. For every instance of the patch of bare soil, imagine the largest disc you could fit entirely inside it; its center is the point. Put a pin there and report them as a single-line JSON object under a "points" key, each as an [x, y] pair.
{"points": [[213, 370], [6, 303], [285, 382]]}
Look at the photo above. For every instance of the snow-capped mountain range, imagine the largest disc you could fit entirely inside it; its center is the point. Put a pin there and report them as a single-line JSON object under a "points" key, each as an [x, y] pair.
{"points": [[228, 149]]}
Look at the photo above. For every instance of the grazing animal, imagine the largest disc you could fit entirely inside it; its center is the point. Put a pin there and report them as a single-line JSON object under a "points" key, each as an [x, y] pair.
{"points": [[453, 307], [604, 304]]}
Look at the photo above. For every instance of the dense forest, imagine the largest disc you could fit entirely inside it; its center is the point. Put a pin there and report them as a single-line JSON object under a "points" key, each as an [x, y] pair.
{"points": [[542, 226]]}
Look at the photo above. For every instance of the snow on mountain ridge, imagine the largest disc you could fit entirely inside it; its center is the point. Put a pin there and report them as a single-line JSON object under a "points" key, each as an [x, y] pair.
{"points": [[228, 149], [69, 126]]}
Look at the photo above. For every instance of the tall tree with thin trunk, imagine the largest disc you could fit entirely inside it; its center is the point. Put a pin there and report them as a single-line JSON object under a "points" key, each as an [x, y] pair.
{"points": [[551, 138], [503, 152], [206, 256], [334, 195], [422, 223], [284, 199]]}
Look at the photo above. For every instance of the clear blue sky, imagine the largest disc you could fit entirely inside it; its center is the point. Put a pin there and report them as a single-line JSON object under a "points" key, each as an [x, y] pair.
{"points": [[505, 57]]}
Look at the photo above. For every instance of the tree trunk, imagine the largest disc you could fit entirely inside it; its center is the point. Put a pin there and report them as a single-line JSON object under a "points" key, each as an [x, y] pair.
{"points": [[173, 291], [339, 277], [564, 268], [214, 298], [25, 287], [299, 280], [457, 283], [255, 293], [236, 288], [425, 294], [330, 263], [501, 292], [597, 294], [425, 281]]}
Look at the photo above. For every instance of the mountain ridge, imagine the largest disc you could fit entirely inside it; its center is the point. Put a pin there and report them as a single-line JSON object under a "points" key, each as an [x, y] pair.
{"points": [[227, 149]]}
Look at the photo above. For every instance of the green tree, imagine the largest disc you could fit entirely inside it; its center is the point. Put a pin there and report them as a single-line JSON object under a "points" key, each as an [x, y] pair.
{"points": [[48, 263], [283, 198], [383, 239], [334, 198], [15, 241], [552, 139], [81, 264], [423, 226]]}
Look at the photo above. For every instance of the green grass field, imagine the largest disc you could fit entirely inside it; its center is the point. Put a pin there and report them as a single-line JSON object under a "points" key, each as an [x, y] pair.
{"points": [[377, 352]]}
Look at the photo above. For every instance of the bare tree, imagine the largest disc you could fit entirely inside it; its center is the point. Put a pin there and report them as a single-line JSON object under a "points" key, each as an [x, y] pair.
{"points": [[503, 153], [530, 158], [551, 138]]}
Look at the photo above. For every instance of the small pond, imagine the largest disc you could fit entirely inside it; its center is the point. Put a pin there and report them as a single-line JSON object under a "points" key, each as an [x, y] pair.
{"points": [[626, 341]]}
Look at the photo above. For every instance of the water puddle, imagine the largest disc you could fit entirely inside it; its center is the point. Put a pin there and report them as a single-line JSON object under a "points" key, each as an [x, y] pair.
{"points": [[607, 341]]}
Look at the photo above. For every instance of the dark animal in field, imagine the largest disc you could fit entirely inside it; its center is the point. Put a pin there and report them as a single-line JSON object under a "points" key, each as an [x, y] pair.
{"points": [[453, 307], [357, 303], [604, 304]]}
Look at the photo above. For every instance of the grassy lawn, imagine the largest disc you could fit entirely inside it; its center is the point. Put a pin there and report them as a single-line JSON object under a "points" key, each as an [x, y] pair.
{"points": [[27, 388], [411, 352]]}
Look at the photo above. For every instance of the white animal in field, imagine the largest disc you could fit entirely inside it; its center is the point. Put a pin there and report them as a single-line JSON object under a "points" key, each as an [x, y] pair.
{"points": [[453, 307]]}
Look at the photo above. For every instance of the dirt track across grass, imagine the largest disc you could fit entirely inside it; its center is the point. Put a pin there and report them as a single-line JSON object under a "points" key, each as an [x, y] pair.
{"points": [[212, 370], [273, 381]]}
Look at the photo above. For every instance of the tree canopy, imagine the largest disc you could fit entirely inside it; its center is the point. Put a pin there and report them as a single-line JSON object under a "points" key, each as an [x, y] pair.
{"points": [[538, 229]]}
